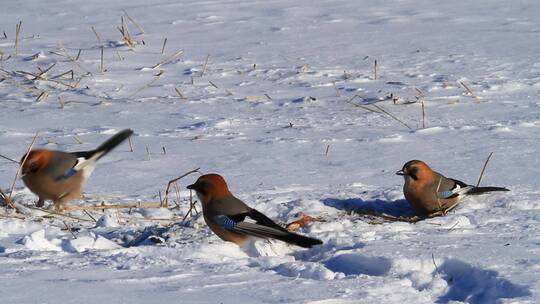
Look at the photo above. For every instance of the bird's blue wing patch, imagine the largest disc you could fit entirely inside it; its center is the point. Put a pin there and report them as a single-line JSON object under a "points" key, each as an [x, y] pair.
{"points": [[225, 222], [445, 194], [69, 173]]}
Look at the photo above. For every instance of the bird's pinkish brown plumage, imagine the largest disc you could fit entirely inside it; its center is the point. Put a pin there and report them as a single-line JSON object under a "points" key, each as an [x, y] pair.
{"points": [[429, 192], [61, 176], [226, 216]]}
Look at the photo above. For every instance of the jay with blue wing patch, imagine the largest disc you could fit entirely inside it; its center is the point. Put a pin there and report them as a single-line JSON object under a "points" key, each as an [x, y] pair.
{"points": [[232, 220], [429, 192], [60, 176]]}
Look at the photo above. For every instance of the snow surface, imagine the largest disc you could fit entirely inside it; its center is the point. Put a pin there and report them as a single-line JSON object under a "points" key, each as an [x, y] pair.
{"points": [[300, 149]]}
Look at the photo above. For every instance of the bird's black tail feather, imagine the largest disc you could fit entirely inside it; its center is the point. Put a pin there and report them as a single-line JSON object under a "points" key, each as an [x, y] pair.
{"points": [[299, 240], [482, 190], [274, 231], [107, 146]]}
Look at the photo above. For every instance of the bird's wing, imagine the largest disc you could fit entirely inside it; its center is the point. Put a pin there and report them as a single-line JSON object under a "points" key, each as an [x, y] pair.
{"points": [[229, 205], [78, 163], [61, 165], [449, 188], [237, 211], [258, 225]]}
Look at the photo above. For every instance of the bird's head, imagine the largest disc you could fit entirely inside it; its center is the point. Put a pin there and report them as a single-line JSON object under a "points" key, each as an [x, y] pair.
{"points": [[35, 160], [209, 187], [415, 170]]}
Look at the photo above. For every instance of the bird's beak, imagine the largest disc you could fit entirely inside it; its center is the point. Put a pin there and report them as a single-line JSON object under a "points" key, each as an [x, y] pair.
{"points": [[400, 172], [198, 188]]}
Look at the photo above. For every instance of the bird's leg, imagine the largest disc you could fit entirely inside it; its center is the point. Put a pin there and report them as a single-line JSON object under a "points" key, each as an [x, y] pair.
{"points": [[40, 202], [61, 206]]}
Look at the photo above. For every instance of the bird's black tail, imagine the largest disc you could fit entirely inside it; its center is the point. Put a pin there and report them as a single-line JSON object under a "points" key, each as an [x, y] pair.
{"points": [[107, 146], [266, 228], [482, 190], [299, 240]]}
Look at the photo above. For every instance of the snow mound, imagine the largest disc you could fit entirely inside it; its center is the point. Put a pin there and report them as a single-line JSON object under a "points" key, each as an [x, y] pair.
{"points": [[355, 264], [39, 242]]}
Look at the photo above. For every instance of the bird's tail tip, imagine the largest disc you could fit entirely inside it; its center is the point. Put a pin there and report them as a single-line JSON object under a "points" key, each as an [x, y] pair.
{"points": [[114, 141], [482, 190], [302, 241]]}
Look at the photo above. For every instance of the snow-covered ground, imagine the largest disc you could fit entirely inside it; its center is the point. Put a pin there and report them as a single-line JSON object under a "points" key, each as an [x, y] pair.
{"points": [[265, 86]]}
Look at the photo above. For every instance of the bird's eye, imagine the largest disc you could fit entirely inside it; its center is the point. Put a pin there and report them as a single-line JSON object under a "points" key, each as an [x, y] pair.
{"points": [[33, 167], [412, 173]]}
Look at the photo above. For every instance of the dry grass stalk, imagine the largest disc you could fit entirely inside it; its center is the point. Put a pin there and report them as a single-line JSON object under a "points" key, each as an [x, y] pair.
{"points": [[78, 56], [42, 73], [10, 159], [97, 35], [119, 206], [387, 217], [137, 25], [74, 60], [213, 84], [327, 150], [336, 88], [89, 215], [177, 193], [119, 56], [126, 36], [58, 214], [179, 93], [468, 90], [420, 93], [168, 59], [11, 79], [435, 264], [8, 200], [350, 101], [443, 212], [483, 169], [40, 77], [164, 44], [205, 65], [102, 69], [69, 229], [423, 116], [392, 116], [437, 193], [61, 75], [268, 96], [143, 87], [42, 96], [17, 36], [191, 207], [174, 181], [375, 69], [78, 140]]}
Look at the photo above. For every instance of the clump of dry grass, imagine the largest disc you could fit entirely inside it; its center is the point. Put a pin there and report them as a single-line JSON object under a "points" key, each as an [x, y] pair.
{"points": [[126, 36]]}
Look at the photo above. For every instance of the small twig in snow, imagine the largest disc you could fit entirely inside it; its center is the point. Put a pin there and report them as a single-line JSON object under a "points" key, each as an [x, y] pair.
{"points": [[483, 169]]}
